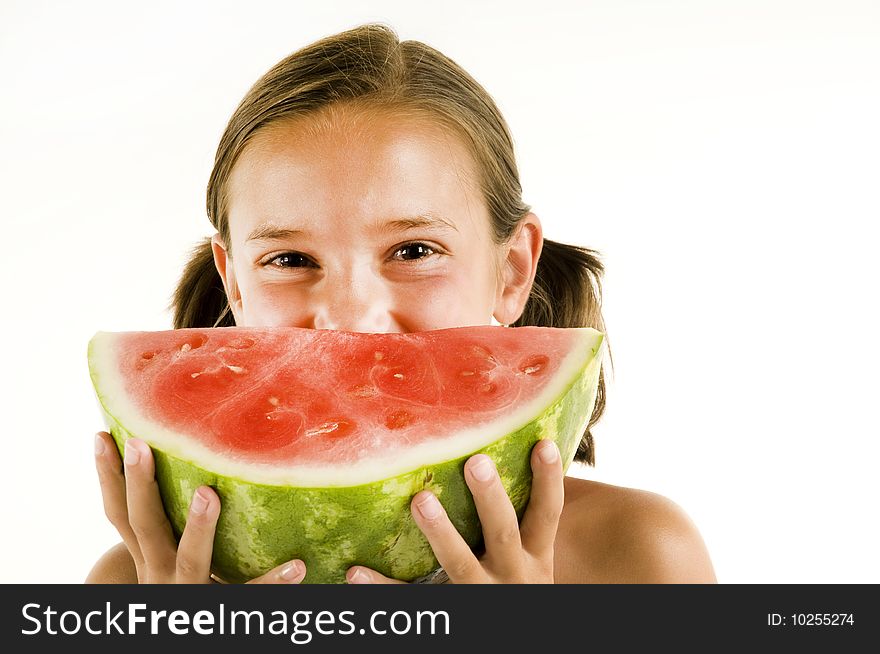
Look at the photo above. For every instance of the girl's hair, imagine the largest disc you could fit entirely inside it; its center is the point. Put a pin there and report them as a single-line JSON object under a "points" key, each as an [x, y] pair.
{"points": [[368, 68]]}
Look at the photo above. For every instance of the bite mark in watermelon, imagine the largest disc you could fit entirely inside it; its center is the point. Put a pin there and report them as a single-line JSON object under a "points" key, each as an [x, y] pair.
{"points": [[317, 440]]}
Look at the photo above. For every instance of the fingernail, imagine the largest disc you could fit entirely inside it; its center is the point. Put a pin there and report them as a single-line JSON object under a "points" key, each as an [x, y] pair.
{"points": [[132, 456], [481, 468], [291, 571], [549, 453], [429, 506], [99, 445], [358, 577], [199, 503]]}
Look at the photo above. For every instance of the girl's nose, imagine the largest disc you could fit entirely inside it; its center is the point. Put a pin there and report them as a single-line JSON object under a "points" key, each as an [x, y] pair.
{"points": [[356, 302]]}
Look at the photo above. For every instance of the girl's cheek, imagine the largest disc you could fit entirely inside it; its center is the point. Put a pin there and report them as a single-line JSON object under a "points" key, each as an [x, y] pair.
{"points": [[274, 306], [440, 305]]}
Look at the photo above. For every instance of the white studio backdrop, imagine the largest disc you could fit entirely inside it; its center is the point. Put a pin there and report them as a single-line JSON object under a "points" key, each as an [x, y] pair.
{"points": [[722, 156]]}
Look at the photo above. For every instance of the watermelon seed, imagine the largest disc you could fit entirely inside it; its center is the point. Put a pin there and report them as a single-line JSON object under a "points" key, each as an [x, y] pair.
{"points": [[148, 355], [273, 401], [483, 353], [193, 343], [236, 369], [378, 356], [364, 391], [398, 375], [398, 419], [533, 364], [467, 373], [326, 428], [242, 343]]}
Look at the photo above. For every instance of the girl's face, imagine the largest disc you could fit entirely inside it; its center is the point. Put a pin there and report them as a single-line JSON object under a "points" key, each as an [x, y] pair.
{"points": [[367, 222]]}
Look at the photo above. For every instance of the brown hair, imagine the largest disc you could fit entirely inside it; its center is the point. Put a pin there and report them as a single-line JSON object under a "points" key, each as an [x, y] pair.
{"points": [[370, 67]]}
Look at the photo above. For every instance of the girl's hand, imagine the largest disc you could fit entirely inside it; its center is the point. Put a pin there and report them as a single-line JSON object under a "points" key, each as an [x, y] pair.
{"points": [[514, 554], [132, 503]]}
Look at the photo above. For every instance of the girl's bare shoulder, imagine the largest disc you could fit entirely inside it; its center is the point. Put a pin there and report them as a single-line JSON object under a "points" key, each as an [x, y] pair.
{"points": [[613, 534], [115, 567]]}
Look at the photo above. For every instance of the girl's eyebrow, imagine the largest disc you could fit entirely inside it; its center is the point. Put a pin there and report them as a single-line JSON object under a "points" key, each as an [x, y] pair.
{"points": [[272, 232], [425, 220], [268, 231]]}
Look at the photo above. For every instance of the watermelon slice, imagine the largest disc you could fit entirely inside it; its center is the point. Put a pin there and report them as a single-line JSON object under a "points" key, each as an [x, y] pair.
{"points": [[317, 440]]}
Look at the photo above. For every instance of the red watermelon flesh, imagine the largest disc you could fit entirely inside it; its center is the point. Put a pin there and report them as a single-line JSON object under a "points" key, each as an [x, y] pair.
{"points": [[287, 396]]}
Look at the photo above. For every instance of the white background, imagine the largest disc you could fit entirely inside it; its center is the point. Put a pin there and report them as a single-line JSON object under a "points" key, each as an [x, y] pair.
{"points": [[723, 157]]}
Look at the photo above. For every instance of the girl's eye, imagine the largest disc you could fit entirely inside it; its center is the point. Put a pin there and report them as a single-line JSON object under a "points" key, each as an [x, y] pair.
{"points": [[288, 260], [414, 251]]}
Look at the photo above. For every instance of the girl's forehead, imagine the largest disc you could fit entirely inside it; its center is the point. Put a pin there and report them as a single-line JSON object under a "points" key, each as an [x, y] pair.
{"points": [[367, 164], [351, 131]]}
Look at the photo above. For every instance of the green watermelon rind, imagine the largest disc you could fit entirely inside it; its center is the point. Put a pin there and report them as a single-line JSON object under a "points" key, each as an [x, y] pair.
{"points": [[332, 528]]}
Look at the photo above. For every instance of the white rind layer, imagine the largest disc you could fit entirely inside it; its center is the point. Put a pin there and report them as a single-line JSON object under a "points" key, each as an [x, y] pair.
{"points": [[106, 377]]}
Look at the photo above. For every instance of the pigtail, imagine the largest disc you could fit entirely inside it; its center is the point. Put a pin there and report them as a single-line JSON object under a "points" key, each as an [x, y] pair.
{"points": [[200, 299], [567, 292]]}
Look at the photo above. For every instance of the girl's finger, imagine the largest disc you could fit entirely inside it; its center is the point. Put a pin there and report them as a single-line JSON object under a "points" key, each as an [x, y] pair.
{"points": [[197, 541], [497, 517], [449, 547], [541, 519], [361, 575], [113, 492], [145, 511], [291, 572]]}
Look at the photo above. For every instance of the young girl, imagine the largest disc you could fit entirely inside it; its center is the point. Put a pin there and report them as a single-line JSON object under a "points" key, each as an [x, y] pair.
{"points": [[368, 184]]}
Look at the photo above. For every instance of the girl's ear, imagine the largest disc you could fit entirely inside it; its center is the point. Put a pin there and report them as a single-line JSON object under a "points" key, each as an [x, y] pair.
{"points": [[518, 269], [223, 261]]}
